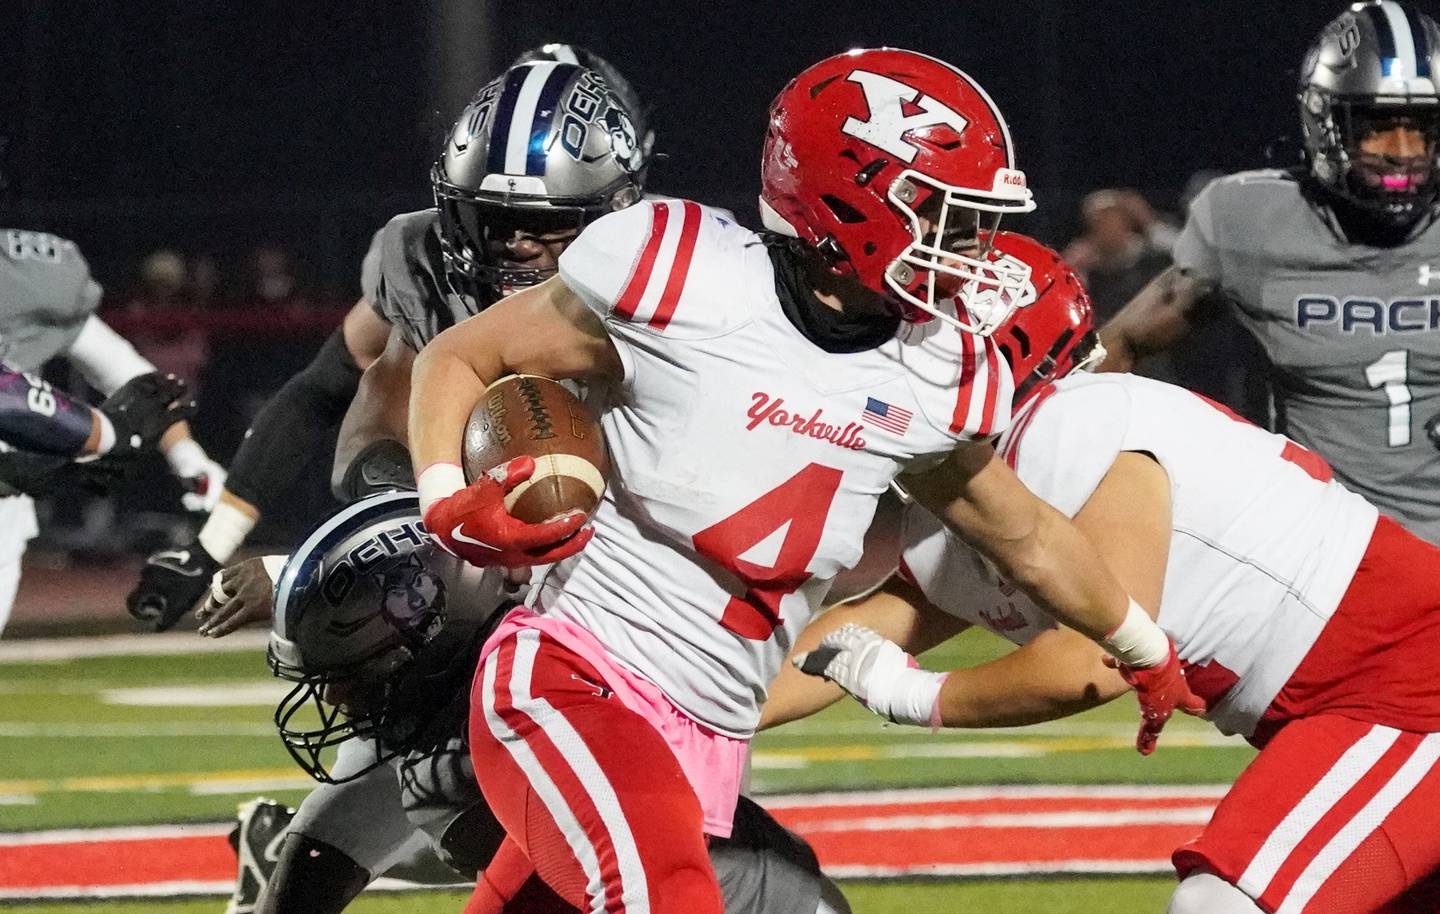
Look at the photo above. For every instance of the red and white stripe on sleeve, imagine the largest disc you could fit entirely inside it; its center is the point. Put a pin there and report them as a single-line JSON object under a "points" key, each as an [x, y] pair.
{"points": [[652, 291], [982, 400]]}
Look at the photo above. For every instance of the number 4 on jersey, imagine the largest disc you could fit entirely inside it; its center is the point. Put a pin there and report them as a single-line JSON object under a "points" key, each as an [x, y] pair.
{"points": [[800, 505]]}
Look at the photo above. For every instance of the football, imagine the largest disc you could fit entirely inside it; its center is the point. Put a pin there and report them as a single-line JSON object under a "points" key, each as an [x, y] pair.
{"points": [[527, 415]]}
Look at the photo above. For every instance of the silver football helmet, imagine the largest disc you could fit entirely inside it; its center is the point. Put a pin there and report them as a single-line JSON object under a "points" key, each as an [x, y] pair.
{"points": [[355, 606], [574, 53], [1374, 68], [541, 151]]}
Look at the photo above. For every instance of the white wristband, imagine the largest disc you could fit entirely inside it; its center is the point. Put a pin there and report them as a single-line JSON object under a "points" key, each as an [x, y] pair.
{"points": [[437, 481], [912, 697], [187, 458], [225, 530], [1138, 641], [107, 433]]}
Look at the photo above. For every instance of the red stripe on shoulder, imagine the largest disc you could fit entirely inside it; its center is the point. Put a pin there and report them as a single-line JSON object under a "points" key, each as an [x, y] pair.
{"points": [[679, 269], [908, 576], [1011, 451], [634, 287], [967, 377], [992, 390]]}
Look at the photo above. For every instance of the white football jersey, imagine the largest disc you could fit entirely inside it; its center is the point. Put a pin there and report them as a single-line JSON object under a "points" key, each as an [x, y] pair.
{"points": [[746, 460], [1264, 543]]}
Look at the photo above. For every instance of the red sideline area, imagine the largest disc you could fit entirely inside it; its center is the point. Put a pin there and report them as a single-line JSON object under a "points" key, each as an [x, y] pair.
{"points": [[974, 831]]}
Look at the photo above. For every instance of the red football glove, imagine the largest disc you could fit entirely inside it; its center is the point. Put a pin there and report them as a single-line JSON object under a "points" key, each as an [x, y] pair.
{"points": [[1160, 690], [474, 524]]}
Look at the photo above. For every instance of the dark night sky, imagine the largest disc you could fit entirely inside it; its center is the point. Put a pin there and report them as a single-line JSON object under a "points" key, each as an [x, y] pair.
{"points": [[210, 126]]}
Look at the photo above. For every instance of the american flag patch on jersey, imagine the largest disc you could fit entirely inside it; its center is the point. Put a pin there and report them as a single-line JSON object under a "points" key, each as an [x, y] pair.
{"points": [[889, 417]]}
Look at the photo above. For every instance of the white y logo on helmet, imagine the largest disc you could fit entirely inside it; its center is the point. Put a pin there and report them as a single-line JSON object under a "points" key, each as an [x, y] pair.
{"points": [[888, 121]]}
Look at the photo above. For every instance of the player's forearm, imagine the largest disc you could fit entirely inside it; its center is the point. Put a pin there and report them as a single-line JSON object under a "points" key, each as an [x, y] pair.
{"points": [[1158, 317], [1057, 566], [35, 417], [898, 611], [1033, 546], [444, 388], [1058, 674], [379, 411]]}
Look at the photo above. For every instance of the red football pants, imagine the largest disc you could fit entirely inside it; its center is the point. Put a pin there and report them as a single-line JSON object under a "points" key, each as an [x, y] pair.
{"points": [[588, 789], [1334, 816]]}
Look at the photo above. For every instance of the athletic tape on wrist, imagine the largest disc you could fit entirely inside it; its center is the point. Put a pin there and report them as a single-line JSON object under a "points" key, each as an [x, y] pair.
{"points": [[437, 481], [107, 433], [225, 529], [1138, 641], [187, 458]]}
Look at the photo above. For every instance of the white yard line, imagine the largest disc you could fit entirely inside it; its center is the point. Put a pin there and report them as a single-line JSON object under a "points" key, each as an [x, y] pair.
{"points": [[1018, 868], [168, 644], [138, 890], [240, 694], [256, 786], [980, 793], [137, 730], [1180, 815], [123, 833]]}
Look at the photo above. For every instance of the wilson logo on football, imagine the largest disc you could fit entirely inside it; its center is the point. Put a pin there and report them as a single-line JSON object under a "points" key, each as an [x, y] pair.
{"points": [[765, 409]]}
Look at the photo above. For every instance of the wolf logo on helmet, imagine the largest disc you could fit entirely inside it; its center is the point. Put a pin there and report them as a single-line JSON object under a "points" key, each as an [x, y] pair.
{"points": [[412, 598], [346, 639], [542, 150]]}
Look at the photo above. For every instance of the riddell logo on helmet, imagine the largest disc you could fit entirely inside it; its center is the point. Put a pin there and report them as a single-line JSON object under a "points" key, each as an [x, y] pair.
{"points": [[767, 409]]}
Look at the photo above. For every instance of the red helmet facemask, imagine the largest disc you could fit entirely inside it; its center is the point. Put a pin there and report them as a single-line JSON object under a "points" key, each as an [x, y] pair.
{"points": [[1053, 333], [897, 167]]}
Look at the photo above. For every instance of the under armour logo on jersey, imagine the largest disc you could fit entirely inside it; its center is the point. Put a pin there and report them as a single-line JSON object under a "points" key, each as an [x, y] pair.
{"points": [[1425, 275], [888, 121]]}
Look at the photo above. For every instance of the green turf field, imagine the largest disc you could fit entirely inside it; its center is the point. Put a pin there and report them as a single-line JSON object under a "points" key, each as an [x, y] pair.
{"points": [[134, 740]]}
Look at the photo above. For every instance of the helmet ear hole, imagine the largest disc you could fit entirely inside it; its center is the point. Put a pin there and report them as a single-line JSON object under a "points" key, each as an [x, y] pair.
{"points": [[843, 211], [1008, 355], [1023, 340]]}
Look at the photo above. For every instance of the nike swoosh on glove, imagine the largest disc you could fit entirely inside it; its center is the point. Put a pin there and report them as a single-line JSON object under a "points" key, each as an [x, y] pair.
{"points": [[877, 673], [474, 524], [1161, 691]]}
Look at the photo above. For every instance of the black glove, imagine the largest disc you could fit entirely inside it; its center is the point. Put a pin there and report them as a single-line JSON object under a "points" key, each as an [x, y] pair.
{"points": [[171, 583], [143, 408]]}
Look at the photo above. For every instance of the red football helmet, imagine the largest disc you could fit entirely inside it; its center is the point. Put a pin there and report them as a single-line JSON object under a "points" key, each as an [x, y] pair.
{"points": [[1053, 332], [888, 162]]}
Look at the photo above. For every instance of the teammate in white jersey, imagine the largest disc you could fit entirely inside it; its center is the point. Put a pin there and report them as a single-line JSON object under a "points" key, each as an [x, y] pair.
{"points": [[1307, 626], [758, 394]]}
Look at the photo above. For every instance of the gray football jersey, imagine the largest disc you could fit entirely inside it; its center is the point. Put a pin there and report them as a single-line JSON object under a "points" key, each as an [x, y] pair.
{"points": [[403, 278], [1352, 333], [46, 294]]}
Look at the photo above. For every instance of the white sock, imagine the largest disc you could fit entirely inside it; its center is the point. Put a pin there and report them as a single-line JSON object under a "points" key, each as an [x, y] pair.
{"points": [[1206, 893]]}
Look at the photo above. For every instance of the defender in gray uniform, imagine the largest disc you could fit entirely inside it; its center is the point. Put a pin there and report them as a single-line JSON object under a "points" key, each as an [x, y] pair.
{"points": [[423, 272], [379, 630], [1335, 269], [47, 310]]}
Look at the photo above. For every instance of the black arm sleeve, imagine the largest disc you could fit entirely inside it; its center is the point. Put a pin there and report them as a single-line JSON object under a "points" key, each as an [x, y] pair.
{"points": [[294, 425], [33, 417]]}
